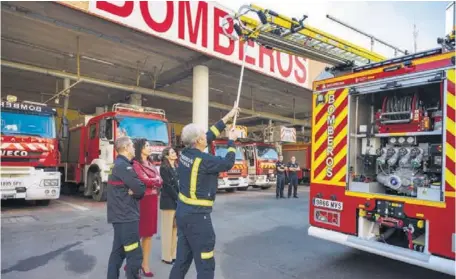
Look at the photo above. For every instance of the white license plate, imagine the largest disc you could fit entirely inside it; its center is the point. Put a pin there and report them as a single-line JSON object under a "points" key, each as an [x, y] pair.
{"points": [[271, 171], [11, 183], [328, 204]]}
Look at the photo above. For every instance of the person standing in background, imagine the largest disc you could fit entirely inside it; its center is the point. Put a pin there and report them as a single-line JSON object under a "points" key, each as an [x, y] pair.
{"points": [[124, 191], [148, 211], [293, 168], [168, 203], [280, 166]]}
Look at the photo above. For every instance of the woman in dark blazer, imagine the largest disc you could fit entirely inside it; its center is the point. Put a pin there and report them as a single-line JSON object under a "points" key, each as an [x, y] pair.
{"points": [[168, 203]]}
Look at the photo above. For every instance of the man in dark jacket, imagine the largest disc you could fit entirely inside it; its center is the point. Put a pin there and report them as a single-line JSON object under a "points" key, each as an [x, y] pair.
{"points": [[124, 192], [198, 177], [293, 168], [280, 166]]}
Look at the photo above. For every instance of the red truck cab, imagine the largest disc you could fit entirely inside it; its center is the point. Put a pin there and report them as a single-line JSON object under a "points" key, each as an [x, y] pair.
{"points": [[261, 160], [236, 178], [29, 151], [89, 153]]}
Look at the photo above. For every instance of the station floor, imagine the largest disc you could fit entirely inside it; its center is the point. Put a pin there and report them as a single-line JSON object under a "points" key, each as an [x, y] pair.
{"points": [[257, 237]]}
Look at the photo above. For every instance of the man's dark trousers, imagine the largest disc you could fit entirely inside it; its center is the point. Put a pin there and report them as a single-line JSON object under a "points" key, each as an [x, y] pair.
{"points": [[280, 185], [126, 244], [196, 241], [294, 184]]}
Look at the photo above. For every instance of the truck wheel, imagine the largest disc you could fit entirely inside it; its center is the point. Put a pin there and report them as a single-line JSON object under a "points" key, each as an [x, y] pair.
{"points": [[230, 190], [43, 202], [98, 187], [243, 188], [265, 187]]}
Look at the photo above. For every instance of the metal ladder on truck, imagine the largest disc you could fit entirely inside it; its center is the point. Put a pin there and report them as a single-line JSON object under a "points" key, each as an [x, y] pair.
{"points": [[289, 35]]}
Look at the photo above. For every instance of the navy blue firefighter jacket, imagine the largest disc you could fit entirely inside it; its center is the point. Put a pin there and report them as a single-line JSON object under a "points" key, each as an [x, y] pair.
{"points": [[198, 174]]}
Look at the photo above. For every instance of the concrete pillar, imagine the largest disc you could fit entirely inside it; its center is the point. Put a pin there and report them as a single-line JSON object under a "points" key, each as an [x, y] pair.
{"points": [[66, 84], [201, 95], [136, 99]]}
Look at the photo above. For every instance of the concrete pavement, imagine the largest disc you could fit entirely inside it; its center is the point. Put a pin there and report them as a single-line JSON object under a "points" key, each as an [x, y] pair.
{"points": [[257, 237]]}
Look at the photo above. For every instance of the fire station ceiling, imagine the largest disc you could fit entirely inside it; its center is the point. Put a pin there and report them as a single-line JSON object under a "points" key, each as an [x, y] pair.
{"points": [[48, 35]]}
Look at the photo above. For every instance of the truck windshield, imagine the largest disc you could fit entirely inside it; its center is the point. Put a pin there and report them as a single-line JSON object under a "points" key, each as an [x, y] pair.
{"points": [[155, 131], [26, 124], [221, 150], [267, 153]]}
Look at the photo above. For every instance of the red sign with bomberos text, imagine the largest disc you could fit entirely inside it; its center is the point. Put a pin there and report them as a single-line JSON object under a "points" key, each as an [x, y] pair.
{"points": [[198, 25]]}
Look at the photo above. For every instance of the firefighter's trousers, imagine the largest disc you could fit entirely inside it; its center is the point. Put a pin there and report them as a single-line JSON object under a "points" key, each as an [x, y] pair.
{"points": [[195, 241], [126, 244], [280, 185], [294, 184]]}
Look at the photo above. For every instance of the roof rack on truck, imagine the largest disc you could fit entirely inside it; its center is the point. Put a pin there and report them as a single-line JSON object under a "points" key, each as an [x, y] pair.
{"points": [[135, 108]]}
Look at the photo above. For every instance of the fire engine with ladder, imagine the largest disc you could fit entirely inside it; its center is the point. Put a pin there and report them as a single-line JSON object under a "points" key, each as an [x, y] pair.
{"points": [[88, 153], [383, 141]]}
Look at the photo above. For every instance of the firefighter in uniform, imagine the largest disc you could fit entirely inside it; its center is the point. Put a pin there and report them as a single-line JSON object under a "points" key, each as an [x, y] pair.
{"points": [[198, 177], [280, 166], [123, 195], [293, 168]]}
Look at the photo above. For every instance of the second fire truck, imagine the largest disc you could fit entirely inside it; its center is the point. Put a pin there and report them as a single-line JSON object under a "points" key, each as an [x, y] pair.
{"points": [[89, 153]]}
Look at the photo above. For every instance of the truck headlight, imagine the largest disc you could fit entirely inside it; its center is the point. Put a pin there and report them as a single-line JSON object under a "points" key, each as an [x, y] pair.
{"points": [[221, 182], [51, 182]]}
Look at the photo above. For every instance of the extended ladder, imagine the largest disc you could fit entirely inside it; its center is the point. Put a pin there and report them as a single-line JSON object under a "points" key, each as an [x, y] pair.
{"points": [[292, 36]]}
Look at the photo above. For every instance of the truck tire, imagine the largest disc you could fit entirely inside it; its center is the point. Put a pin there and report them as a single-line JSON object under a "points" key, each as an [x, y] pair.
{"points": [[230, 190], [243, 188], [98, 187], [265, 187], [43, 202]]}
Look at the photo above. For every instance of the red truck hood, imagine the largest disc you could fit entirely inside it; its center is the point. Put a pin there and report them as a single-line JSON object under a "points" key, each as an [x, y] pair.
{"points": [[266, 167], [238, 170], [29, 151]]}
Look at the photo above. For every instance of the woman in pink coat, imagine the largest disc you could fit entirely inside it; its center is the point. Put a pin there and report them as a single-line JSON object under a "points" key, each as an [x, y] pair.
{"points": [[148, 211]]}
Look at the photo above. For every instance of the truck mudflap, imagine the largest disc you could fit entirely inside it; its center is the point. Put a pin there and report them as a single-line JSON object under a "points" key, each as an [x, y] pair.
{"points": [[397, 253]]}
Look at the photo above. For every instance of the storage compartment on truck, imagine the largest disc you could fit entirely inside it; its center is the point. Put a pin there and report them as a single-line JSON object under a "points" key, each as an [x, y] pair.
{"points": [[396, 138]]}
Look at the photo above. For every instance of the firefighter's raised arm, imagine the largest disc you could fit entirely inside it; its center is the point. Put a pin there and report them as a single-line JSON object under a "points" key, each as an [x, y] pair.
{"points": [[217, 128], [216, 164]]}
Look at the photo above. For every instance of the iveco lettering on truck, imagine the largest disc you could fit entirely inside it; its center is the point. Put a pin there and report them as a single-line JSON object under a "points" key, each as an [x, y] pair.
{"points": [[29, 151]]}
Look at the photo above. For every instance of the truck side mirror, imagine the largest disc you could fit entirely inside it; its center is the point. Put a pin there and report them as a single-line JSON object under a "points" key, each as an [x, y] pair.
{"points": [[102, 129], [65, 129]]}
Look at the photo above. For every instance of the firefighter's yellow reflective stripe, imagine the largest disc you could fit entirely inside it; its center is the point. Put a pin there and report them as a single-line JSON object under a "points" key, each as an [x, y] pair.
{"points": [[131, 247], [232, 149], [198, 202], [207, 255], [215, 131], [194, 177]]}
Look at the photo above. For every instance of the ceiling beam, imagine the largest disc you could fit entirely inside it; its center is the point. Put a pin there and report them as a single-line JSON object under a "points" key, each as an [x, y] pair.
{"points": [[144, 91]]}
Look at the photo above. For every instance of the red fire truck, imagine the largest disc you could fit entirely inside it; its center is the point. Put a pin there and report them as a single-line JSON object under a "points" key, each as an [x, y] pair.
{"points": [[383, 160], [261, 163], [30, 151], [236, 178], [89, 154], [383, 141]]}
